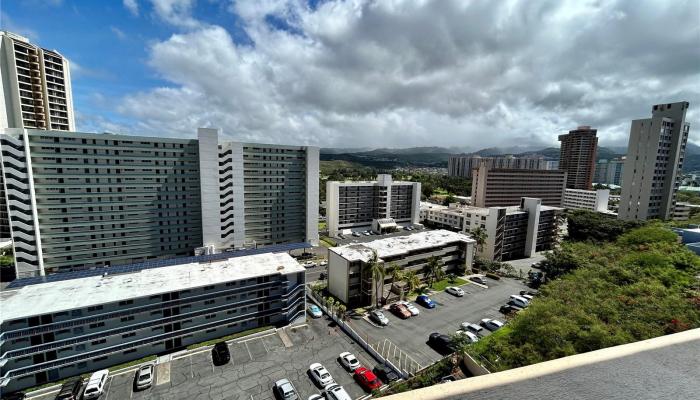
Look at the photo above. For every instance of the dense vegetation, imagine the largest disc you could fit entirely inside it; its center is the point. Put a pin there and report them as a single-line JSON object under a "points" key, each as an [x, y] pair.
{"points": [[640, 286], [588, 225]]}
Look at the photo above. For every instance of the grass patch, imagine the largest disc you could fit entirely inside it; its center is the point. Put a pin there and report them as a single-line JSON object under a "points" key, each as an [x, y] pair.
{"points": [[428, 377], [229, 337], [327, 242], [132, 363], [439, 286], [322, 225]]}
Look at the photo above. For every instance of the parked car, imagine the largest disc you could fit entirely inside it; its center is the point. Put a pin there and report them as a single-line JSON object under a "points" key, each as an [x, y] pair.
{"points": [[341, 236], [491, 324], [519, 301], [509, 309], [316, 397], [385, 373], [411, 308], [469, 335], [349, 361], [366, 379], [441, 343], [379, 317], [309, 264], [455, 291], [322, 276], [96, 384], [220, 354], [425, 301], [320, 375], [366, 233], [356, 234], [323, 263], [478, 279], [285, 390], [400, 311], [473, 328], [144, 377], [527, 297], [336, 392], [315, 311], [70, 390], [529, 293]]}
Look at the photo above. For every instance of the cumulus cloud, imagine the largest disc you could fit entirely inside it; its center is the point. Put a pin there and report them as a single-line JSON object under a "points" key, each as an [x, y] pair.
{"points": [[407, 73], [132, 6]]}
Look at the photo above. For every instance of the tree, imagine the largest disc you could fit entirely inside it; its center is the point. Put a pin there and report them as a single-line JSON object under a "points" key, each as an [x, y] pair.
{"points": [[586, 225], [560, 261], [396, 274], [480, 235], [412, 281], [448, 200], [330, 302], [434, 270], [340, 311], [378, 272]]}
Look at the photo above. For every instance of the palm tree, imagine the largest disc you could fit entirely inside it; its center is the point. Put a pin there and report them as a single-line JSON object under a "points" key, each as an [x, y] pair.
{"points": [[340, 311], [330, 302], [480, 235], [394, 271], [412, 280], [378, 272], [434, 270]]}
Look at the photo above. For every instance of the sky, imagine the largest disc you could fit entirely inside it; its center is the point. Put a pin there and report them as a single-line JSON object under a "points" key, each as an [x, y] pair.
{"points": [[363, 73]]}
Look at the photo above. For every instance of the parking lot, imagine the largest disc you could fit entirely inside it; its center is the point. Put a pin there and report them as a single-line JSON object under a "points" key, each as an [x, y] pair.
{"points": [[254, 367], [404, 341]]}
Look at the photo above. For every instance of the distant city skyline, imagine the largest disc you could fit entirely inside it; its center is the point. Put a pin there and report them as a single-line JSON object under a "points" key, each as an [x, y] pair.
{"points": [[369, 74]]}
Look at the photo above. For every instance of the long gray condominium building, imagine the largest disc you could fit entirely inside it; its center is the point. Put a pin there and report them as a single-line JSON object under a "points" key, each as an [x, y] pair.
{"points": [[463, 165], [655, 156], [492, 187], [66, 327], [81, 200], [35, 85], [356, 205]]}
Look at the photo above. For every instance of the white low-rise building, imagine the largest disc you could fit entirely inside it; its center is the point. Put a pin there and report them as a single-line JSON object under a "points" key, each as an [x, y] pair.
{"points": [[350, 280], [593, 200], [511, 232]]}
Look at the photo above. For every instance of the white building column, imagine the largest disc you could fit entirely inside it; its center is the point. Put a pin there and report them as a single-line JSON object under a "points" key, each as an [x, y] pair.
{"points": [[209, 185], [532, 206], [312, 172]]}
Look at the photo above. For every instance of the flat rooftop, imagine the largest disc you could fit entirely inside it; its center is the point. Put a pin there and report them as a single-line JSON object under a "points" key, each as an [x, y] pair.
{"points": [[462, 210], [397, 245], [51, 297]]}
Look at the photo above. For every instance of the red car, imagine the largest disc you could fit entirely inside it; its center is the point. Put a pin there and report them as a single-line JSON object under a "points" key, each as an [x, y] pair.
{"points": [[400, 310], [367, 379]]}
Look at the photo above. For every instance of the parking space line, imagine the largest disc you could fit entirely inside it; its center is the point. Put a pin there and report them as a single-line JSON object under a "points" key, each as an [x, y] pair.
{"points": [[265, 346], [109, 385], [191, 370], [246, 347]]}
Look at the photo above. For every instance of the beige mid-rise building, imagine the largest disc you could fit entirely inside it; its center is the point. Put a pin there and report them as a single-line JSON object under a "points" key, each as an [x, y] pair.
{"points": [[654, 161], [36, 86]]}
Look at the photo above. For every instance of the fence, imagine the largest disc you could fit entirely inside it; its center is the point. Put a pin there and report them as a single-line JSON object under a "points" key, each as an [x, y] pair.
{"points": [[373, 350]]}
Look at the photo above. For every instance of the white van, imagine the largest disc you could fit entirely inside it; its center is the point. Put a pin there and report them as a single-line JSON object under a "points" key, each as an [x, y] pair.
{"points": [[519, 301], [96, 384]]}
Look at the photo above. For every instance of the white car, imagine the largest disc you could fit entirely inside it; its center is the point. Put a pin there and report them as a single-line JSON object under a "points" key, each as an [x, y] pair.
{"points": [[96, 384], [491, 324], [336, 392], [411, 308], [519, 301], [469, 327], [472, 337], [309, 264], [144, 377], [528, 297], [323, 263], [286, 390], [321, 375], [349, 361], [316, 397], [454, 290]]}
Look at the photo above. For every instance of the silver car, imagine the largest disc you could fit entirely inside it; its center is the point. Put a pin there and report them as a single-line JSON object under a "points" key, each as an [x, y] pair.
{"points": [[285, 390], [144, 377], [379, 317]]}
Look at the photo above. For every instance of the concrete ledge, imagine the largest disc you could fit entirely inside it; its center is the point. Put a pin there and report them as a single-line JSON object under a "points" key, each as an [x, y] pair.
{"points": [[459, 389]]}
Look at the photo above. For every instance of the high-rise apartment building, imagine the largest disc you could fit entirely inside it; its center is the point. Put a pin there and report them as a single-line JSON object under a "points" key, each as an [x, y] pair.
{"points": [[577, 157], [492, 187], [463, 165], [360, 205], [82, 200], [36, 86], [511, 232], [654, 162], [609, 171]]}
